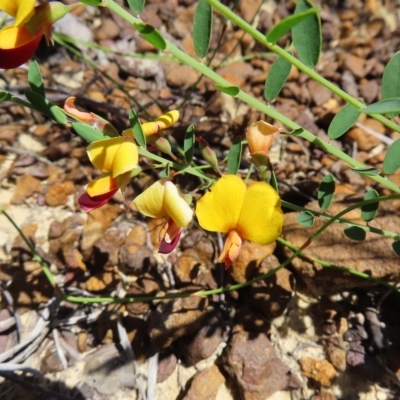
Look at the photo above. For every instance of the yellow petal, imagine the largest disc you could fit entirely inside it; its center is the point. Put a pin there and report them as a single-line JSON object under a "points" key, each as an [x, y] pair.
{"points": [[150, 128], [176, 206], [101, 153], [166, 120], [21, 10], [126, 158], [151, 201], [101, 186], [12, 37], [219, 209], [261, 218]]}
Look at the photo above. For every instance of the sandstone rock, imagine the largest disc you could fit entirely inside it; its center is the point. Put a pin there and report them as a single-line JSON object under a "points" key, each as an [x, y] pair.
{"points": [[321, 371], [58, 194], [173, 319], [252, 362], [335, 352], [354, 64], [205, 384], [181, 76], [374, 255], [106, 214], [166, 366], [26, 186], [135, 259]]}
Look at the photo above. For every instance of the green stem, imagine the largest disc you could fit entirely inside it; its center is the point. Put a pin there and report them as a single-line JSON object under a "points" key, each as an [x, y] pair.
{"points": [[268, 110], [297, 63]]}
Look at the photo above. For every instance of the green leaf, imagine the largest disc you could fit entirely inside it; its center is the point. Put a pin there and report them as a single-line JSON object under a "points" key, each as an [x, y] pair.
{"points": [[343, 121], [235, 156], [276, 78], [295, 132], [396, 247], [391, 162], [382, 107], [355, 233], [306, 218], [137, 128], [369, 211], [87, 132], [274, 181], [285, 25], [136, 5], [45, 107], [5, 96], [307, 36], [152, 36], [325, 191], [202, 28], [188, 143], [391, 81], [232, 90], [35, 79], [91, 2], [164, 173], [367, 171]]}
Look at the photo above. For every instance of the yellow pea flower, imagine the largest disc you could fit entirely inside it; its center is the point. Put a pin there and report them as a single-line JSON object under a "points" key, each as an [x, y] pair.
{"points": [[260, 135], [117, 157], [164, 200], [243, 212], [20, 40]]}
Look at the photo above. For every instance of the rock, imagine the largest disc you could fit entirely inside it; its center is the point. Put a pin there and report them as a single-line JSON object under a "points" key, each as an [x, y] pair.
{"points": [[166, 366], [137, 235], [373, 256], [26, 186], [181, 76], [254, 365], [354, 64], [272, 295], [51, 362], [102, 281], [187, 266], [362, 364], [203, 344], [90, 233], [176, 318], [321, 371], [365, 141], [144, 286], [205, 384], [369, 90], [135, 259], [136, 328], [106, 215], [58, 194], [107, 30], [248, 9], [335, 352], [319, 93], [250, 257], [106, 370]]}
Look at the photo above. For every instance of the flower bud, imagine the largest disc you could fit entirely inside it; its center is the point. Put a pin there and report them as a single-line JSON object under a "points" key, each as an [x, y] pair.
{"points": [[260, 136], [208, 154]]}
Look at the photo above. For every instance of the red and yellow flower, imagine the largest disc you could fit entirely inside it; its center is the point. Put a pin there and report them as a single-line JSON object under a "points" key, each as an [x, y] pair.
{"points": [[243, 212], [20, 40], [164, 200]]}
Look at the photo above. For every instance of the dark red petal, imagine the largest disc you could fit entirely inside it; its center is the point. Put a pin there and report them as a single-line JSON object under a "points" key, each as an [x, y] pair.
{"points": [[12, 58], [166, 248], [91, 203]]}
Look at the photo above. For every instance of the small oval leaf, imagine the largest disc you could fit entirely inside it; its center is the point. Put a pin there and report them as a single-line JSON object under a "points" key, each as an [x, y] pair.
{"points": [[136, 6], [188, 143], [285, 25], [369, 211], [87, 132], [306, 218], [5, 96], [355, 233], [202, 28], [367, 171], [152, 36], [391, 162], [137, 128], [35, 79], [91, 2], [396, 247], [343, 121], [45, 107], [326, 191], [276, 78], [382, 107], [232, 90], [235, 156], [391, 81], [307, 35]]}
